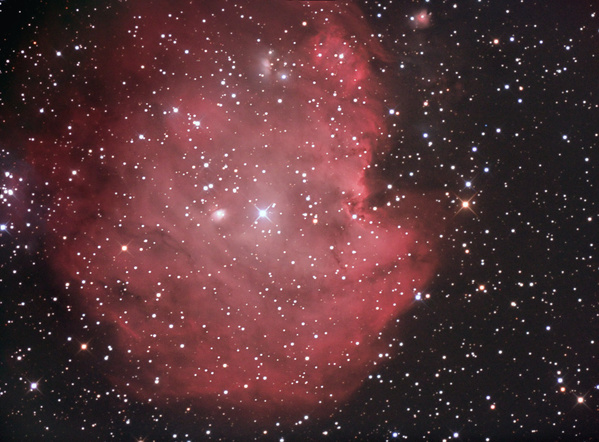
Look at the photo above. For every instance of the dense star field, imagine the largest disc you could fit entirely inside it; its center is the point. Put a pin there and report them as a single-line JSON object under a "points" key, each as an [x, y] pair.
{"points": [[298, 220]]}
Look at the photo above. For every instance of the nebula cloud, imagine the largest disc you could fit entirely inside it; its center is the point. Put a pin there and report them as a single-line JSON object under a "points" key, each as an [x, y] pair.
{"points": [[215, 200]]}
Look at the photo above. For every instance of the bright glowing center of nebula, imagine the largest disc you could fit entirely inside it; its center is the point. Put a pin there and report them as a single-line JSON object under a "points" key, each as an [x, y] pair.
{"points": [[217, 204]]}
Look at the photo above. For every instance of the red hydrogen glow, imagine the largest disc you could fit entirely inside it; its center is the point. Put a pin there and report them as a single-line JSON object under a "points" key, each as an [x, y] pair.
{"points": [[212, 202]]}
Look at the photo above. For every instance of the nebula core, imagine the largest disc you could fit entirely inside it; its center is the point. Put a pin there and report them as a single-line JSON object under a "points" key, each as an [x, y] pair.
{"points": [[216, 199]]}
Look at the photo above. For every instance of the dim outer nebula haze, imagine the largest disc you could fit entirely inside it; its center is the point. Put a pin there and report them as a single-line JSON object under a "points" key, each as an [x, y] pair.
{"points": [[216, 203]]}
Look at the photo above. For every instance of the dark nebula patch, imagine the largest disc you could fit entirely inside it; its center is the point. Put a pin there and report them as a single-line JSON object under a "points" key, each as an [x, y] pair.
{"points": [[216, 201]]}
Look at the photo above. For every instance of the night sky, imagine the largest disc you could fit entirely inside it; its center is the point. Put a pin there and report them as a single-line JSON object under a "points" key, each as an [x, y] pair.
{"points": [[299, 220]]}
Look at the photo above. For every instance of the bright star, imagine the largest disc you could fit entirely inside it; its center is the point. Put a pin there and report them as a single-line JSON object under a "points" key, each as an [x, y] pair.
{"points": [[263, 213], [467, 205]]}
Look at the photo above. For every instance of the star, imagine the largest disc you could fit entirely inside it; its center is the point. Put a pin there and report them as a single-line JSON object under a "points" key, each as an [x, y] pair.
{"points": [[263, 213]]}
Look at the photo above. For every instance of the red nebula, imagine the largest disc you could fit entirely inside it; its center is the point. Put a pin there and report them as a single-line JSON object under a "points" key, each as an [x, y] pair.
{"points": [[214, 200], [422, 19]]}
